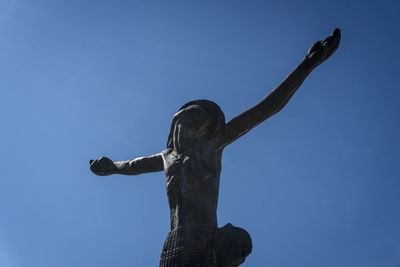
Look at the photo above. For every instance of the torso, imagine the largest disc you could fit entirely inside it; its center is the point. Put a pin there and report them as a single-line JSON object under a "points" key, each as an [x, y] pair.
{"points": [[192, 181]]}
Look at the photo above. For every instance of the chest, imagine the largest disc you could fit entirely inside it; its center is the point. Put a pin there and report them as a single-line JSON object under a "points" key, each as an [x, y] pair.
{"points": [[189, 165], [191, 170]]}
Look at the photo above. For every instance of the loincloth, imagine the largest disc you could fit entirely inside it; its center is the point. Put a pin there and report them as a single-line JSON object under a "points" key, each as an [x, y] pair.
{"points": [[206, 246], [190, 245]]}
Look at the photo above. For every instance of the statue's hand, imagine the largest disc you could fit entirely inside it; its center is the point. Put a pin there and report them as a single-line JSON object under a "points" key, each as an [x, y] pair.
{"points": [[322, 50], [102, 166]]}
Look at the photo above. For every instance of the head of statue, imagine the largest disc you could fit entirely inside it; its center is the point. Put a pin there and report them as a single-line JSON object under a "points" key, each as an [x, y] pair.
{"points": [[195, 121]]}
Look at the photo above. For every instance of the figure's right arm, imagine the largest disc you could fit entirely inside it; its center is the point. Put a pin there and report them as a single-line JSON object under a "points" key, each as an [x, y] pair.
{"points": [[279, 97], [104, 166]]}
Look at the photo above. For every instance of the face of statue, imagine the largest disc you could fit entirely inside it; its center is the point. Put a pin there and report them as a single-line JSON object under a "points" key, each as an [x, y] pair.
{"points": [[192, 123]]}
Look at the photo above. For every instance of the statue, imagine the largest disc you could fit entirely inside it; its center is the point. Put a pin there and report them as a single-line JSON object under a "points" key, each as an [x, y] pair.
{"points": [[192, 165]]}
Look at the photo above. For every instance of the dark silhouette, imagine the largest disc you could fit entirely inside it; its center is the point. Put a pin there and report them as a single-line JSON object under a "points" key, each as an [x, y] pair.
{"points": [[192, 165]]}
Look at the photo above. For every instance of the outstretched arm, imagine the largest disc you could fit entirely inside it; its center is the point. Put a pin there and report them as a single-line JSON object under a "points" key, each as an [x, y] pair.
{"points": [[278, 98], [104, 166]]}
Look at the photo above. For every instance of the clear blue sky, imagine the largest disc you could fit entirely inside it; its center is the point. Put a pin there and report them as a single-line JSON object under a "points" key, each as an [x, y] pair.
{"points": [[316, 185]]}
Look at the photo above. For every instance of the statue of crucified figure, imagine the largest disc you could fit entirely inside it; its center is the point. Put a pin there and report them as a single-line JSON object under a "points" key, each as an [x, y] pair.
{"points": [[192, 166]]}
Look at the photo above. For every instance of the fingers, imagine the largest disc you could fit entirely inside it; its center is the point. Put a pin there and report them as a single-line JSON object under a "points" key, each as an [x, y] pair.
{"points": [[328, 41], [315, 47], [104, 159], [322, 50], [337, 33], [100, 166], [330, 44], [100, 160], [333, 40], [95, 166]]}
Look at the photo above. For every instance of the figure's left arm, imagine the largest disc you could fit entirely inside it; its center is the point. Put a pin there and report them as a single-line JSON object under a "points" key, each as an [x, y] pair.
{"points": [[277, 99]]}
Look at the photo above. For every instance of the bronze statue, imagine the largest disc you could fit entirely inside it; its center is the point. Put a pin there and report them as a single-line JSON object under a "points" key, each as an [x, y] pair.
{"points": [[192, 165]]}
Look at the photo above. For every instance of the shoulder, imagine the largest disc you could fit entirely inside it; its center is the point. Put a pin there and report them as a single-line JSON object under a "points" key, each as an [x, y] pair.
{"points": [[166, 151], [217, 141]]}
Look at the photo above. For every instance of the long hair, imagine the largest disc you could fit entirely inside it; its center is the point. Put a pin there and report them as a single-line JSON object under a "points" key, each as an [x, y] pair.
{"points": [[211, 108]]}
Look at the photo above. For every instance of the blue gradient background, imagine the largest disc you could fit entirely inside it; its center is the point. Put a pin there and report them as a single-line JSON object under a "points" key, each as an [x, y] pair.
{"points": [[316, 185]]}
